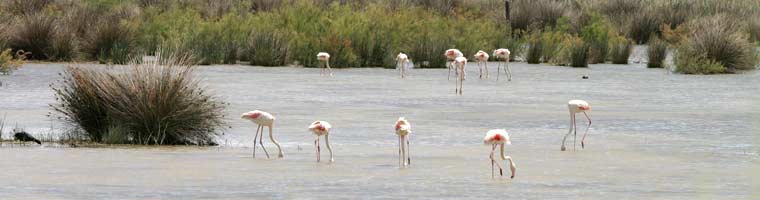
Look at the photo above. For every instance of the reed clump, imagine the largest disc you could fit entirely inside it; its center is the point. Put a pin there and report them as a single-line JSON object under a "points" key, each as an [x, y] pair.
{"points": [[154, 104]]}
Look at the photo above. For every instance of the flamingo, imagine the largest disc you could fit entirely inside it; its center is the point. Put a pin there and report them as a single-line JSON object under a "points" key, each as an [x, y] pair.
{"points": [[460, 63], [482, 58], [503, 54], [452, 54], [262, 119], [577, 106], [324, 59], [401, 60], [403, 129], [320, 128], [499, 137]]}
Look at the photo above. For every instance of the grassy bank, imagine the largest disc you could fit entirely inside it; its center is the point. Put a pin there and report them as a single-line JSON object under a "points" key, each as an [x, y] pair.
{"points": [[363, 33]]}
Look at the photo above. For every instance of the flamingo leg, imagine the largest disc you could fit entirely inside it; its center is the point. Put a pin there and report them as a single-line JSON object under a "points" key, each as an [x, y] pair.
{"points": [[254, 140], [498, 70], [485, 65], [492, 161], [448, 65], [570, 130], [408, 149], [316, 146], [319, 152], [508, 70], [261, 142], [400, 158], [480, 69], [575, 132], [329, 148], [279, 149], [328, 68], [586, 132]]}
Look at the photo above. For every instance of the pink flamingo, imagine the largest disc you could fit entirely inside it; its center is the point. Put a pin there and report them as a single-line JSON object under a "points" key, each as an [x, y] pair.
{"points": [[401, 61], [403, 129], [460, 63], [320, 128], [262, 119], [577, 106], [499, 137], [324, 59], [452, 54], [503, 54], [482, 58]]}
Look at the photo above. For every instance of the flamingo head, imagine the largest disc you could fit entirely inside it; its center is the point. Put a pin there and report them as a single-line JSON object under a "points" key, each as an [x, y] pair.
{"points": [[251, 115]]}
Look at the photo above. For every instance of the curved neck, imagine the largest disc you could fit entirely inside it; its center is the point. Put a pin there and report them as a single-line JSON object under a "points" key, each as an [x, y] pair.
{"points": [[502, 153]]}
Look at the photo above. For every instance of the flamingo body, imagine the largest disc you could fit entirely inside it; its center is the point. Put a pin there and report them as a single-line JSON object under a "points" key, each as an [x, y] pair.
{"points": [[451, 55], [403, 130], [262, 119], [401, 60], [482, 58], [499, 137], [503, 54], [460, 63], [577, 106], [322, 128], [324, 59]]}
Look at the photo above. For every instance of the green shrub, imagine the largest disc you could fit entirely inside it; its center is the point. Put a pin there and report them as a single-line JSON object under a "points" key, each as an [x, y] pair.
{"points": [[551, 43], [535, 48], [575, 52], [656, 52], [715, 39], [688, 61], [111, 41], [142, 104], [8, 63], [620, 50], [597, 35], [268, 49]]}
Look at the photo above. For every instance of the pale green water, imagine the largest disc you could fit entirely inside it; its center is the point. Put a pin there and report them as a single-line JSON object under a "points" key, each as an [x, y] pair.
{"points": [[655, 135]]}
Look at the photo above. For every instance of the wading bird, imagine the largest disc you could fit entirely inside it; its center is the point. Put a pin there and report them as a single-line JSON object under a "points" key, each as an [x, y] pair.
{"points": [[24, 136], [320, 128], [482, 58], [459, 64], [577, 106], [403, 129], [503, 54], [499, 137], [324, 59], [262, 119], [401, 61], [452, 55]]}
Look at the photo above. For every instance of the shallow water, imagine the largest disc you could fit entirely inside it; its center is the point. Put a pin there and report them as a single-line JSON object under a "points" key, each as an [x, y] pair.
{"points": [[654, 135]]}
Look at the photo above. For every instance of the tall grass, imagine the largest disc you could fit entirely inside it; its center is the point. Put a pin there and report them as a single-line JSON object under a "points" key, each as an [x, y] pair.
{"points": [[536, 13], [620, 50], [535, 48], [268, 48], [716, 40], [574, 52], [656, 52], [140, 104], [34, 34]]}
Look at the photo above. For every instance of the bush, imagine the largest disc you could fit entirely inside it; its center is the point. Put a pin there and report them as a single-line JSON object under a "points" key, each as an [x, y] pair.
{"points": [[536, 13], [575, 52], [688, 61], [112, 37], [268, 49], [8, 63], [34, 33], [535, 48], [715, 39], [142, 104], [753, 27], [656, 52], [642, 26], [597, 35], [620, 50]]}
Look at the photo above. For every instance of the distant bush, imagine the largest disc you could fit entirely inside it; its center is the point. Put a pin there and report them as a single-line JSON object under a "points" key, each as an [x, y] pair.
{"points": [[142, 104], [620, 50], [715, 40], [535, 48], [753, 27], [643, 25], [597, 35], [8, 63], [656, 52], [536, 13], [574, 52], [34, 33], [268, 48]]}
